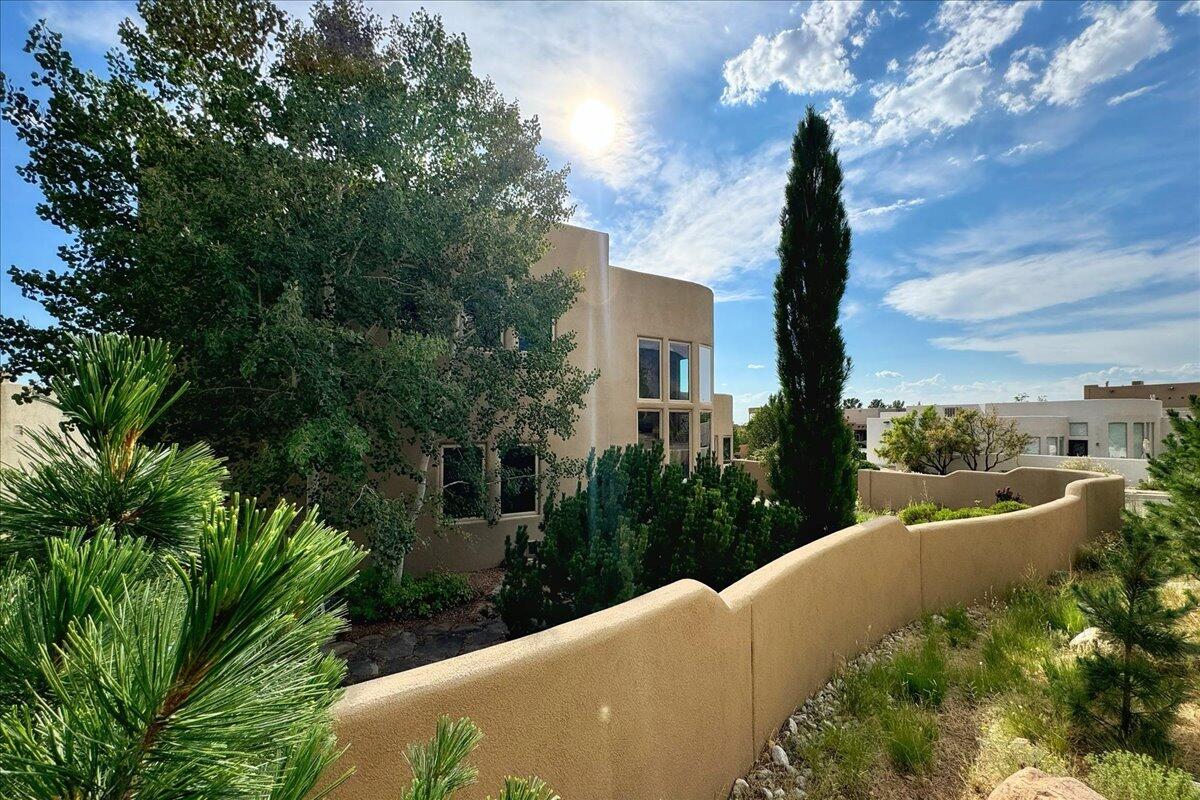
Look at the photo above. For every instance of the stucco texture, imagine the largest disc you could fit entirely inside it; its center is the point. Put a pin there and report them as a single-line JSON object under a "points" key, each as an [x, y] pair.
{"points": [[671, 695]]}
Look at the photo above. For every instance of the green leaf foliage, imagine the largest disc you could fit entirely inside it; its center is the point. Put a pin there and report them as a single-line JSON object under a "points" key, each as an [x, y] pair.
{"points": [[375, 596], [637, 525], [918, 513], [816, 466], [334, 220]]}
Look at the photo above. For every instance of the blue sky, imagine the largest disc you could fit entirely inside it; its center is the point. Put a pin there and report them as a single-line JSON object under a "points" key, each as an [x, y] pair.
{"points": [[1023, 179]]}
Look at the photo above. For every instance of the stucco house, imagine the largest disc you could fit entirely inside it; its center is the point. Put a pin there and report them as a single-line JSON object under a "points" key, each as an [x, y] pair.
{"points": [[651, 338]]}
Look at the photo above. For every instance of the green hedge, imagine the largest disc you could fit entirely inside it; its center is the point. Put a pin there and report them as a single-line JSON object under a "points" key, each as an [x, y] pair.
{"points": [[375, 597], [917, 513]]}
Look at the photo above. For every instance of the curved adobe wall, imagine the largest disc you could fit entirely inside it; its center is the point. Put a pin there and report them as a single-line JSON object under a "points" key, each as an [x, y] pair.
{"points": [[671, 695]]}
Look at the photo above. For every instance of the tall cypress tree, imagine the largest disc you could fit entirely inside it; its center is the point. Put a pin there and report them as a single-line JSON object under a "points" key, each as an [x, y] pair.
{"points": [[816, 469]]}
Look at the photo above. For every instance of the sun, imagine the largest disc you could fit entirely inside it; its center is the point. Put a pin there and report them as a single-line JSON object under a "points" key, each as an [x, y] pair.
{"points": [[593, 125]]}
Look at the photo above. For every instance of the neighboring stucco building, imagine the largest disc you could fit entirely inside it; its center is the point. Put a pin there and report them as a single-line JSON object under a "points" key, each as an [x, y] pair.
{"points": [[651, 338], [1115, 428], [1172, 395]]}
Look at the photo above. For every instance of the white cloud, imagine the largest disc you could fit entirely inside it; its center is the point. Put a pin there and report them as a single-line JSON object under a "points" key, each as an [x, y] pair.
{"points": [[943, 88], [92, 23], [850, 309], [807, 59], [1138, 92], [1022, 148], [887, 373], [1119, 38], [1158, 345], [878, 217], [1003, 288], [894, 65], [846, 132], [755, 366], [710, 224], [1190, 7]]}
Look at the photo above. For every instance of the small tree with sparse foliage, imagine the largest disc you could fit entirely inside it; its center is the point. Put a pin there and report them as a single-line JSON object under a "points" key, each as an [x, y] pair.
{"points": [[986, 440], [1131, 689]]}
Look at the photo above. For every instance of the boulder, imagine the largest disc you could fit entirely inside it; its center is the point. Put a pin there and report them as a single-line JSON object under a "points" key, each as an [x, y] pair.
{"points": [[1085, 637], [1033, 784]]}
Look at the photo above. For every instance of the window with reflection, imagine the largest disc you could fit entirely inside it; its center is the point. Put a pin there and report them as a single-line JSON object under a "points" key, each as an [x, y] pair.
{"points": [[680, 365], [706, 374], [705, 433], [1117, 440], [649, 369], [649, 428], [680, 424], [518, 480]]}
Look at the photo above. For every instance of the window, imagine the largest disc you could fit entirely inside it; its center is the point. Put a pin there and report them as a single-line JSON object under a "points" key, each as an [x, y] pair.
{"points": [[680, 376], [1077, 447], [649, 369], [726, 449], [680, 424], [1143, 440], [518, 481], [1078, 429], [1054, 445], [462, 481], [649, 428], [524, 343], [1117, 440], [706, 374], [1034, 446], [705, 433]]}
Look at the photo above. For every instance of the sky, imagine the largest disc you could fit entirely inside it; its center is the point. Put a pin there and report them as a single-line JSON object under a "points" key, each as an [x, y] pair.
{"points": [[1023, 180]]}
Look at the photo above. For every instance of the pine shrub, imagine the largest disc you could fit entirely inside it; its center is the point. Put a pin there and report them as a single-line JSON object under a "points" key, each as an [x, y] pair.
{"points": [[376, 596], [440, 769], [155, 642], [1121, 775], [1134, 685], [634, 525]]}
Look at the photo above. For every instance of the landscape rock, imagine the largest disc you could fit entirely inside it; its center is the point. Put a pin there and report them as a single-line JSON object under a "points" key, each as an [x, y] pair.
{"points": [[1033, 784], [342, 648], [740, 786], [1085, 637], [398, 645], [779, 756], [362, 670]]}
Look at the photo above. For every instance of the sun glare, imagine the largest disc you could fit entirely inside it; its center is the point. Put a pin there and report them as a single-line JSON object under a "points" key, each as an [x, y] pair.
{"points": [[594, 125]]}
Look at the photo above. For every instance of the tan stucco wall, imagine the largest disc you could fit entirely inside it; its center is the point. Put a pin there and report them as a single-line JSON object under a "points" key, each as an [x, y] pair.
{"points": [[16, 419], [671, 695], [758, 471], [615, 308]]}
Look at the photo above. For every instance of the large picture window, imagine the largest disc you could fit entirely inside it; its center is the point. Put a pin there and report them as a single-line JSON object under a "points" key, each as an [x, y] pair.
{"points": [[706, 374], [726, 449], [649, 369], [1034, 446], [680, 370], [705, 432], [518, 480], [462, 481], [680, 439], [1117, 440], [1078, 430], [649, 428]]}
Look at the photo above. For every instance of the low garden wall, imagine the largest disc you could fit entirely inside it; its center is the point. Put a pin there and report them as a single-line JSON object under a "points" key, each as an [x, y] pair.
{"points": [[670, 696]]}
